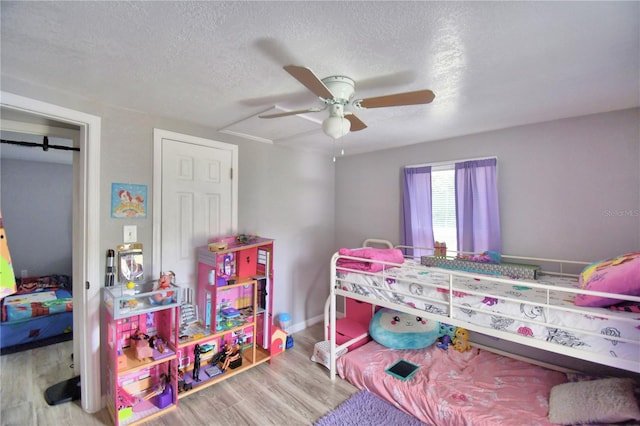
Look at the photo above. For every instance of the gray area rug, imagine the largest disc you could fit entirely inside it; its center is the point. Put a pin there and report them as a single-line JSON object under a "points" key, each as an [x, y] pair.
{"points": [[364, 408]]}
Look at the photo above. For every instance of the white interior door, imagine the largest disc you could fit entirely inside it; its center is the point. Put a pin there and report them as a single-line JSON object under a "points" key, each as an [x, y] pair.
{"points": [[198, 200]]}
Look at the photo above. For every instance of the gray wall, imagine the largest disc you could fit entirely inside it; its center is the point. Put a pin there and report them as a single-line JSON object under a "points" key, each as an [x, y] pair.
{"points": [[558, 180], [289, 195], [569, 189], [284, 194], [37, 202]]}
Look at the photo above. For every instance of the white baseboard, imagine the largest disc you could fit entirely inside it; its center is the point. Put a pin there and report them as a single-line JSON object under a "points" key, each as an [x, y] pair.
{"points": [[294, 328]]}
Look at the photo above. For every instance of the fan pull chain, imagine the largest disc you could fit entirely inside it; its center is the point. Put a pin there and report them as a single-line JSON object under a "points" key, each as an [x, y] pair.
{"points": [[334, 150]]}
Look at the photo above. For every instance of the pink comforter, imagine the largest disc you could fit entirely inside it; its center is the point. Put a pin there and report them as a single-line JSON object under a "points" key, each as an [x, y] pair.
{"points": [[369, 256], [451, 388]]}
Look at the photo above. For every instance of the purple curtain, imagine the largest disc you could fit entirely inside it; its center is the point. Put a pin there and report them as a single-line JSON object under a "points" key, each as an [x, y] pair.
{"points": [[417, 226], [477, 208]]}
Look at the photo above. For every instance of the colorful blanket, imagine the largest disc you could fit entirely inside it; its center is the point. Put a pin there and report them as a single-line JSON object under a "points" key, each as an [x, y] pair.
{"points": [[518, 309], [21, 306]]}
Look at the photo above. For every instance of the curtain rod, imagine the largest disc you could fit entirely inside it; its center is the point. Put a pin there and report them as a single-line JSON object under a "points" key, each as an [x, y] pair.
{"points": [[448, 163], [44, 145]]}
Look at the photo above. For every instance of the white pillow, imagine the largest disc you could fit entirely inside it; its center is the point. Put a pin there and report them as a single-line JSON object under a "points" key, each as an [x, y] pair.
{"points": [[604, 400]]}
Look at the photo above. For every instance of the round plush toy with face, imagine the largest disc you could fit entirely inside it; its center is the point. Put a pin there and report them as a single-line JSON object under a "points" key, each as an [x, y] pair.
{"points": [[400, 330]]}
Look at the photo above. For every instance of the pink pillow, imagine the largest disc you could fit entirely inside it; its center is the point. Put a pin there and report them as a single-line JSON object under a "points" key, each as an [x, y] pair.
{"points": [[369, 253], [620, 275]]}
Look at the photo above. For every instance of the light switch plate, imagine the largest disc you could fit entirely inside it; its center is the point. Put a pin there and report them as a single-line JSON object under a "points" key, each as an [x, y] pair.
{"points": [[130, 233]]}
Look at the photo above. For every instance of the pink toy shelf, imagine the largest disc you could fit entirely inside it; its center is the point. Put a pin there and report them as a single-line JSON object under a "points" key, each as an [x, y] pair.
{"points": [[161, 348], [234, 299], [141, 346]]}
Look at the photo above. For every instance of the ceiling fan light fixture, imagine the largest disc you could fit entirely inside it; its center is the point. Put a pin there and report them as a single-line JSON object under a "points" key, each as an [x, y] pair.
{"points": [[336, 126]]}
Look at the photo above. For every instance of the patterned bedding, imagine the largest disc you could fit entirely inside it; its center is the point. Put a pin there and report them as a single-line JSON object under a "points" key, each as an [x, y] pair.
{"points": [[475, 387], [41, 308], [521, 309], [38, 296], [31, 305]]}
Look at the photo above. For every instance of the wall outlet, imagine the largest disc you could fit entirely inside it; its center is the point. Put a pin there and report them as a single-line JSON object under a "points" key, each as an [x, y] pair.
{"points": [[130, 234], [24, 273]]}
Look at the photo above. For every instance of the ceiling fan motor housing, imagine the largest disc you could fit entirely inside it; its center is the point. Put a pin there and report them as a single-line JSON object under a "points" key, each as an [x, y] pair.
{"points": [[341, 87]]}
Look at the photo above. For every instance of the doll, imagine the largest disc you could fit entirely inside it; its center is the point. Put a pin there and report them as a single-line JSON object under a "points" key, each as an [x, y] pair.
{"points": [[196, 363], [164, 283], [232, 353]]}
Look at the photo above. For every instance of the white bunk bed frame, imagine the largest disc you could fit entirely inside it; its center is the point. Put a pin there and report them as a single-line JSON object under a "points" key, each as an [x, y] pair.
{"points": [[336, 290]]}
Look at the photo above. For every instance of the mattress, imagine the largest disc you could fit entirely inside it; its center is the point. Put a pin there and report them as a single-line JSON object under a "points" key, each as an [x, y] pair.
{"points": [[33, 329], [519, 308], [472, 388]]}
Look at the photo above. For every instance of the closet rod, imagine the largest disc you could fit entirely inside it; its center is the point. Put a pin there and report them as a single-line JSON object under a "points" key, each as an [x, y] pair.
{"points": [[44, 145]]}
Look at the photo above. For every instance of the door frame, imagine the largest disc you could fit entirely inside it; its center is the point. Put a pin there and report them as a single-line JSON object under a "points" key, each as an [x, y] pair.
{"points": [[50, 129], [158, 136], [86, 239]]}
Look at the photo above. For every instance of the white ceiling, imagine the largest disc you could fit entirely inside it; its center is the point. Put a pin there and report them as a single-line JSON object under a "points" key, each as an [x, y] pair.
{"points": [[491, 65]]}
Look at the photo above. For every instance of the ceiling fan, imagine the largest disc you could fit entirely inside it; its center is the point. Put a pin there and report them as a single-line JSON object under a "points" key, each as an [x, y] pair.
{"points": [[336, 92]]}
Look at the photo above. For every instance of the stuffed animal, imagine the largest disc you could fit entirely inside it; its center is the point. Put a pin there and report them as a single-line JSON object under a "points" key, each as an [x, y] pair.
{"points": [[447, 333], [445, 341], [400, 330], [448, 329], [462, 333], [164, 283], [461, 342], [461, 345]]}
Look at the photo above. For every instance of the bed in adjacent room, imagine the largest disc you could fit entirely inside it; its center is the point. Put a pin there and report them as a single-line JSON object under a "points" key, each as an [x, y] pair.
{"points": [[40, 309]]}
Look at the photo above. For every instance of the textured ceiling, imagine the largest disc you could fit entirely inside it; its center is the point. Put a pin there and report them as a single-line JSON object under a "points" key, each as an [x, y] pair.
{"points": [[491, 65]]}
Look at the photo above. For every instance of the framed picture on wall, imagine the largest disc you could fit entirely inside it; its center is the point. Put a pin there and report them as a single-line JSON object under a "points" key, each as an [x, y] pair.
{"points": [[128, 201]]}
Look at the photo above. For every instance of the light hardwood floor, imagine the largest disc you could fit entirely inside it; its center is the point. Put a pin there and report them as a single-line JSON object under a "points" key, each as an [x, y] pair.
{"points": [[292, 390]]}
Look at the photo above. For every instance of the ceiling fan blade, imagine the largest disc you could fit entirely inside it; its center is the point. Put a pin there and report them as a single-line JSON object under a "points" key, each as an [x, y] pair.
{"points": [[309, 80], [284, 114], [398, 99], [356, 123]]}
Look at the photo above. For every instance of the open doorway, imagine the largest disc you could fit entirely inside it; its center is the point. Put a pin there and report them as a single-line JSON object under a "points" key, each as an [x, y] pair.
{"points": [[85, 233], [36, 199]]}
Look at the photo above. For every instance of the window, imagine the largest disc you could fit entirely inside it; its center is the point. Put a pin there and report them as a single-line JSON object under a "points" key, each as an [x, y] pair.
{"points": [[443, 206], [455, 203]]}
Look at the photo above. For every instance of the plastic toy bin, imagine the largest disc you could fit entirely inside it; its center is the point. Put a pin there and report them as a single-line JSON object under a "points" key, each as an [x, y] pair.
{"points": [[321, 353], [284, 320], [122, 302]]}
